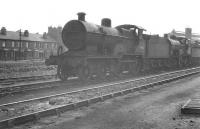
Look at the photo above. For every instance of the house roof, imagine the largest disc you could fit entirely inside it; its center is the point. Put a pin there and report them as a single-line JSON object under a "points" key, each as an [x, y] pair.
{"points": [[14, 35]]}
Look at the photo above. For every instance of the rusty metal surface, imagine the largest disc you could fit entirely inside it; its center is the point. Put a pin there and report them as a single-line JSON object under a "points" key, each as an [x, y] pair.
{"points": [[195, 52], [93, 28], [77, 34], [158, 48]]}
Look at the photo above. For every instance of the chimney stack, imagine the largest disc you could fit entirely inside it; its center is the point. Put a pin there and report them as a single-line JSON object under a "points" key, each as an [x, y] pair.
{"points": [[26, 33], [45, 35], [3, 31], [81, 16]]}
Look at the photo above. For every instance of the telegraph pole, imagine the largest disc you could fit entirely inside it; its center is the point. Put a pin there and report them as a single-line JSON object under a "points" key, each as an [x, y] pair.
{"points": [[20, 44]]}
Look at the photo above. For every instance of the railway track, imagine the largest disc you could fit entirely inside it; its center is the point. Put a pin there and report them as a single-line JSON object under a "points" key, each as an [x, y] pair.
{"points": [[29, 110], [12, 85], [27, 87], [31, 85]]}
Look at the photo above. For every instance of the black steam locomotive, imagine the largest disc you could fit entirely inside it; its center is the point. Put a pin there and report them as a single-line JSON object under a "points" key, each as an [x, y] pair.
{"points": [[101, 50]]}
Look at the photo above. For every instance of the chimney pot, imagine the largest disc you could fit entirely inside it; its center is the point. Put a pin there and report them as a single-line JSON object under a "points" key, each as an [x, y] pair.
{"points": [[45, 35], [26, 33], [3, 31]]}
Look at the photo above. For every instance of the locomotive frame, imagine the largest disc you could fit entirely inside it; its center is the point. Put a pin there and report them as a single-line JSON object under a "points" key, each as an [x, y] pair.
{"points": [[98, 51]]}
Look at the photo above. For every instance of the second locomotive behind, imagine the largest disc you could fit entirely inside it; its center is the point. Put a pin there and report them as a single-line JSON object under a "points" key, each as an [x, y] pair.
{"points": [[100, 50]]}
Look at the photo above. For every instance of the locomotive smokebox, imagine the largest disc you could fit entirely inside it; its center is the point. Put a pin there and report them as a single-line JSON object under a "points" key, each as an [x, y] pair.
{"points": [[106, 22], [81, 16]]}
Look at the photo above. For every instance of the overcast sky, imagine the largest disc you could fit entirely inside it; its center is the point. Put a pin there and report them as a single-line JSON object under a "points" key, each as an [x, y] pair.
{"points": [[157, 16]]}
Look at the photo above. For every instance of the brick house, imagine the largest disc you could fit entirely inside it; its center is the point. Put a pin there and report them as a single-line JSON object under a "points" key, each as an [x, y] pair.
{"points": [[17, 45]]}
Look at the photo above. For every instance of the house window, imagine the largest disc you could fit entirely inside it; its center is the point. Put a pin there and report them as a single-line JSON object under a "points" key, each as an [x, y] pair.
{"points": [[42, 45], [34, 46], [52, 46], [45, 45], [29, 44], [38, 45], [13, 44], [26, 44], [48, 46], [23, 44], [3, 44], [7, 43], [16, 44]]}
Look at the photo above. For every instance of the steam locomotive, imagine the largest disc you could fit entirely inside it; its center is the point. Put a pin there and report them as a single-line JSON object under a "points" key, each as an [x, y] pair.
{"points": [[101, 50]]}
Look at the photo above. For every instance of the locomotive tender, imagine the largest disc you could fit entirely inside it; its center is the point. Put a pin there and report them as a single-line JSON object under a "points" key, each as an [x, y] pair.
{"points": [[100, 50]]}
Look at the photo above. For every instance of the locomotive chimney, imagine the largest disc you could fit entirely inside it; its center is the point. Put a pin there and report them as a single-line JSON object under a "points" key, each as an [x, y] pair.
{"points": [[106, 22], [81, 16]]}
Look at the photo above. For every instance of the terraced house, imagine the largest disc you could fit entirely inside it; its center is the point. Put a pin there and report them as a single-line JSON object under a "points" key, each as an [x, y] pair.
{"points": [[18, 45]]}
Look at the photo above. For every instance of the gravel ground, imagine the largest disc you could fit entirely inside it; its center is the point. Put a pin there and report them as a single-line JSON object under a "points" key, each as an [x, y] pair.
{"points": [[11, 111], [155, 108], [59, 88], [55, 89]]}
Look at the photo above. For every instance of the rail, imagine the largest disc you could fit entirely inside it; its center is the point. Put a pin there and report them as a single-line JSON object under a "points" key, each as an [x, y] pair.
{"points": [[88, 96]]}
